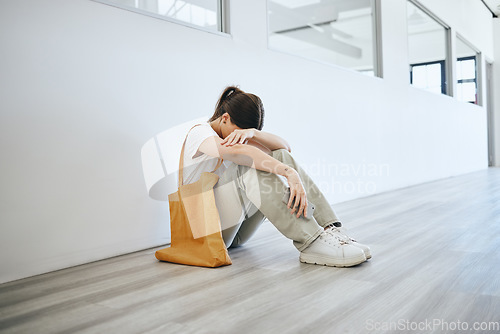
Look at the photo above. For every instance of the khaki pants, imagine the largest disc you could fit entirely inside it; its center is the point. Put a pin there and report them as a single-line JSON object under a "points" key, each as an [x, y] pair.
{"points": [[245, 197]]}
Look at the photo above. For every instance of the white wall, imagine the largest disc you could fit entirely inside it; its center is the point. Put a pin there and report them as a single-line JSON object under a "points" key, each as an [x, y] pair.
{"points": [[85, 85], [471, 19]]}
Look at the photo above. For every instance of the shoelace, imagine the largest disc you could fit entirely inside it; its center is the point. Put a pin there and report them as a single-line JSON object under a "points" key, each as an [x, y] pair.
{"points": [[339, 233], [329, 235]]}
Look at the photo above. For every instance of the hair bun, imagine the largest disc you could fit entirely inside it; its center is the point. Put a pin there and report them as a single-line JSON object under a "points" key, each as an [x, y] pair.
{"points": [[230, 92], [246, 110]]}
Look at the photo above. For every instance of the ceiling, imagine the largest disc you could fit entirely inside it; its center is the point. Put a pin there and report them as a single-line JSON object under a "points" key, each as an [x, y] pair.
{"points": [[493, 6]]}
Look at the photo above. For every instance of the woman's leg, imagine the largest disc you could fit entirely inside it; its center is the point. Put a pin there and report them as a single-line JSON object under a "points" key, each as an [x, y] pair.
{"points": [[323, 212], [230, 207], [242, 189], [240, 219], [265, 191], [248, 228]]}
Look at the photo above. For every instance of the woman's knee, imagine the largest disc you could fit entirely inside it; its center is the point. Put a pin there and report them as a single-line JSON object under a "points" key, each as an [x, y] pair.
{"points": [[280, 153]]}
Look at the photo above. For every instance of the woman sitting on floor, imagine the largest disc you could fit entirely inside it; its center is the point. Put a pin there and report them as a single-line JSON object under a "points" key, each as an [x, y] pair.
{"points": [[251, 185]]}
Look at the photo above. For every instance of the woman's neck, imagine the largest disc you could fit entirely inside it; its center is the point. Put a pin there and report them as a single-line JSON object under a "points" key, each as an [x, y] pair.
{"points": [[215, 124]]}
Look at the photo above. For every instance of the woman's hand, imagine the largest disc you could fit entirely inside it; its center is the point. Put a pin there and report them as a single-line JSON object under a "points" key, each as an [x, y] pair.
{"points": [[297, 192], [238, 137]]}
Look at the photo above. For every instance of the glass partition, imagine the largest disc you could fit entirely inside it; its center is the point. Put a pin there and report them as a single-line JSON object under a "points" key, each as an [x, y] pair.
{"points": [[466, 72], [201, 13], [334, 31], [427, 50]]}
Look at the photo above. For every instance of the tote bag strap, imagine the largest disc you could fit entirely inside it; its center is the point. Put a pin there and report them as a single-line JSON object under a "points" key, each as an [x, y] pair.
{"points": [[181, 161]]}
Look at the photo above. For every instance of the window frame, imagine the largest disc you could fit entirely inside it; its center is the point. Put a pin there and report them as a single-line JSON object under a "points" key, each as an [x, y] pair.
{"points": [[222, 16], [479, 70], [449, 61], [377, 60], [444, 86], [461, 81]]}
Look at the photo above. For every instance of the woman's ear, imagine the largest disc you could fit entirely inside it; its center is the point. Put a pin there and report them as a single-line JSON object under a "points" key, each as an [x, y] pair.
{"points": [[226, 117]]}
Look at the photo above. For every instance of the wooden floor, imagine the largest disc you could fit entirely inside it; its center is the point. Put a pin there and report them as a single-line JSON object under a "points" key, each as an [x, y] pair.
{"points": [[435, 269]]}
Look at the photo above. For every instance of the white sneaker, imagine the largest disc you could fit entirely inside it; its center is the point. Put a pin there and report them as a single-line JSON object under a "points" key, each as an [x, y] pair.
{"points": [[339, 231], [331, 250]]}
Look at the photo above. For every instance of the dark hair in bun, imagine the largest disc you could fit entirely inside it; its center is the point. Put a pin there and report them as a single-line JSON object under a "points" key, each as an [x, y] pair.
{"points": [[246, 110]]}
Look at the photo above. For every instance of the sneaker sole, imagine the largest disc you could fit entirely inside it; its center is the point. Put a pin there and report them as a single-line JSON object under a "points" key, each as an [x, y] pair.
{"points": [[327, 261]]}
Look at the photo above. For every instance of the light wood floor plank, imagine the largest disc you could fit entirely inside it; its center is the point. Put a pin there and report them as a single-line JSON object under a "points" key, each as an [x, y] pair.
{"points": [[436, 257]]}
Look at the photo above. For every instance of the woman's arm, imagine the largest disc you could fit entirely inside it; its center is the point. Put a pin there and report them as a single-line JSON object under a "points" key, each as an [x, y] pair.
{"points": [[269, 140], [263, 148], [251, 156]]}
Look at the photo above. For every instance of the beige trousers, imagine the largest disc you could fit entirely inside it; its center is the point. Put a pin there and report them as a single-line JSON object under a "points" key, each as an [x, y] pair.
{"points": [[245, 197]]}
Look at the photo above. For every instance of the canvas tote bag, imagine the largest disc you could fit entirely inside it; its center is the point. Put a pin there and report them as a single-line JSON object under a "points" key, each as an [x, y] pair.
{"points": [[196, 237]]}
